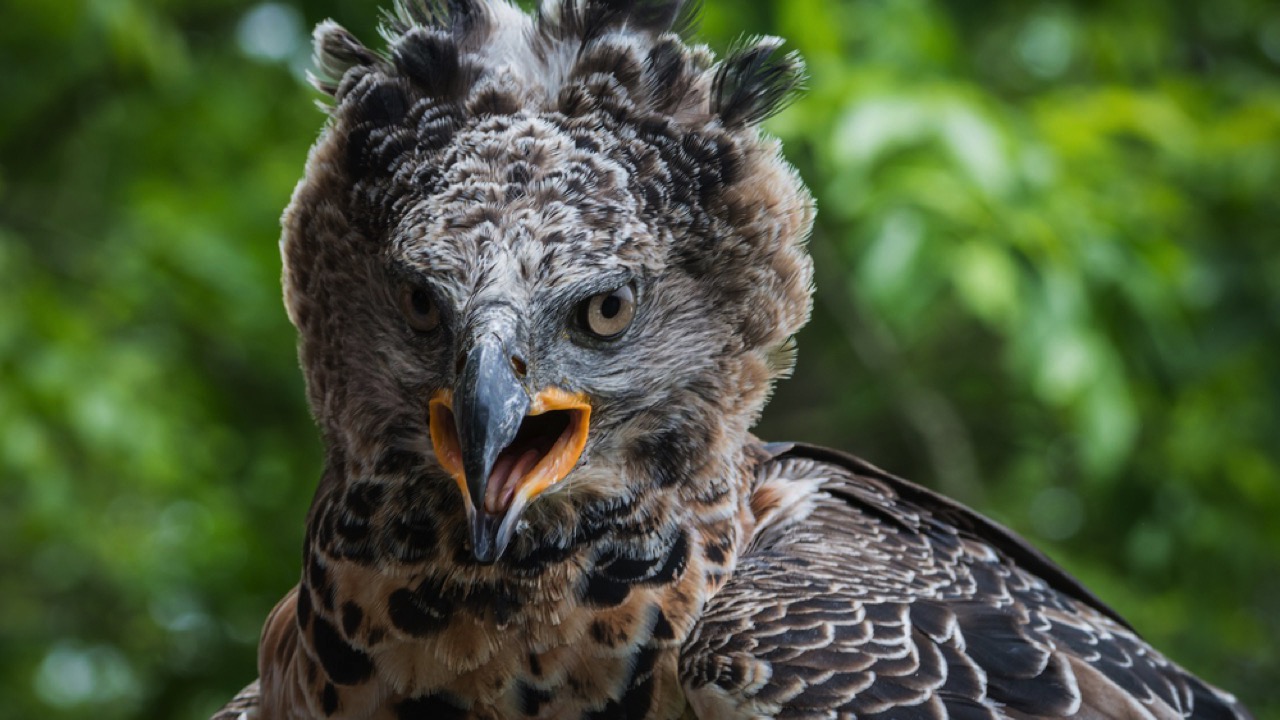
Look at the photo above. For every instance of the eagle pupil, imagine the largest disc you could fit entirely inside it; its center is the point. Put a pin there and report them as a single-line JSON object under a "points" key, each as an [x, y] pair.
{"points": [[611, 306], [421, 303], [419, 310]]}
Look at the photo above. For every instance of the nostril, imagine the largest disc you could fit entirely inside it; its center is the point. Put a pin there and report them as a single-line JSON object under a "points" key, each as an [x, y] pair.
{"points": [[518, 365]]}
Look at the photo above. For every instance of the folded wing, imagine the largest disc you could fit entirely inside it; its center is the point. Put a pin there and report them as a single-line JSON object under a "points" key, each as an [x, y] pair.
{"points": [[865, 596]]}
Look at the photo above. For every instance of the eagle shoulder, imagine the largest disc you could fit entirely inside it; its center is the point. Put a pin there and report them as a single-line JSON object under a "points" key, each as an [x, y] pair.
{"points": [[276, 651], [863, 595], [244, 706]]}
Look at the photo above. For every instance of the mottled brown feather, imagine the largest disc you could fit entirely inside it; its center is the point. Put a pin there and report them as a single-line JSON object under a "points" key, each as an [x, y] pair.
{"points": [[880, 598]]}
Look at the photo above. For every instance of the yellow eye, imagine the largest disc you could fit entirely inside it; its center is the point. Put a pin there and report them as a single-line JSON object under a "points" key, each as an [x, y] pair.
{"points": [[608, 314], [419, 309]]}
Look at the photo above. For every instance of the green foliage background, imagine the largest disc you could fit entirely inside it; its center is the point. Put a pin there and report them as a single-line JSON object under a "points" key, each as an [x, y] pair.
{"points": [[1047, 266]]}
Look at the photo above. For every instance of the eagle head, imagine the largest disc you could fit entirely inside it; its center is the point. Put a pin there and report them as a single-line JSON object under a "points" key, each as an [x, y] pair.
{"points": [[544, 260]]}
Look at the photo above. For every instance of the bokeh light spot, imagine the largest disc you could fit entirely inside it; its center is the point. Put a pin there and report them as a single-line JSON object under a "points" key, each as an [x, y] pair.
{"points": [[270, 32]]}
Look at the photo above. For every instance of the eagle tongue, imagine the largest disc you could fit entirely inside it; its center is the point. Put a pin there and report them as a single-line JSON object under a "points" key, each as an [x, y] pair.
{"points": [[505, 479]]}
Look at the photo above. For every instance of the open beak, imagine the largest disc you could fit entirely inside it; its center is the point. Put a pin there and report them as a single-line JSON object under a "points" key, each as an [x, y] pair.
{"points": [[503, 447]]}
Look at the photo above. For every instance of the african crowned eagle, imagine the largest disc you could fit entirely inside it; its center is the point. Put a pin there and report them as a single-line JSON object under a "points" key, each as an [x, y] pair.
{"points": [[545, 270]]}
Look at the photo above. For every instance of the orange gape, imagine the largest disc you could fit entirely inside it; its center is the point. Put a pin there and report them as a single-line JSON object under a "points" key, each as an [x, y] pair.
{"points": [[549, 470]]}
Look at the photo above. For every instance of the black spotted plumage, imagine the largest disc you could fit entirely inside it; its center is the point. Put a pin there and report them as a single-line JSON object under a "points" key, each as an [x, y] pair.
{"points": [[520, 517]]}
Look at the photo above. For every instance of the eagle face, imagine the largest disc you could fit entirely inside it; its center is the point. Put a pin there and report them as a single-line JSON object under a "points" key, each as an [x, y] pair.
{"points": [[558, 248], [543, 312]]}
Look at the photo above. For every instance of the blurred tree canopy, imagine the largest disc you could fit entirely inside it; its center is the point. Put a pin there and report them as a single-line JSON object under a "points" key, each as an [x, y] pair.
{"points": [[1048, 285]]}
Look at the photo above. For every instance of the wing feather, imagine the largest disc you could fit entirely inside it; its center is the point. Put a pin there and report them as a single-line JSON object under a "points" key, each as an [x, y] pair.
{"points": [[870, 597], [243, 706]]}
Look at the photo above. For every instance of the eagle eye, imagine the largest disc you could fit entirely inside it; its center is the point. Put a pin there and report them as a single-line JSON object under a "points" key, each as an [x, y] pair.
{"points": [[419, 309], [608, 314]]}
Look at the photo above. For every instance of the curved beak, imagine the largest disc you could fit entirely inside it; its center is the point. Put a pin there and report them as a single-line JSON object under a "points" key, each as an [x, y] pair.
{"points": [[502, 445]]}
